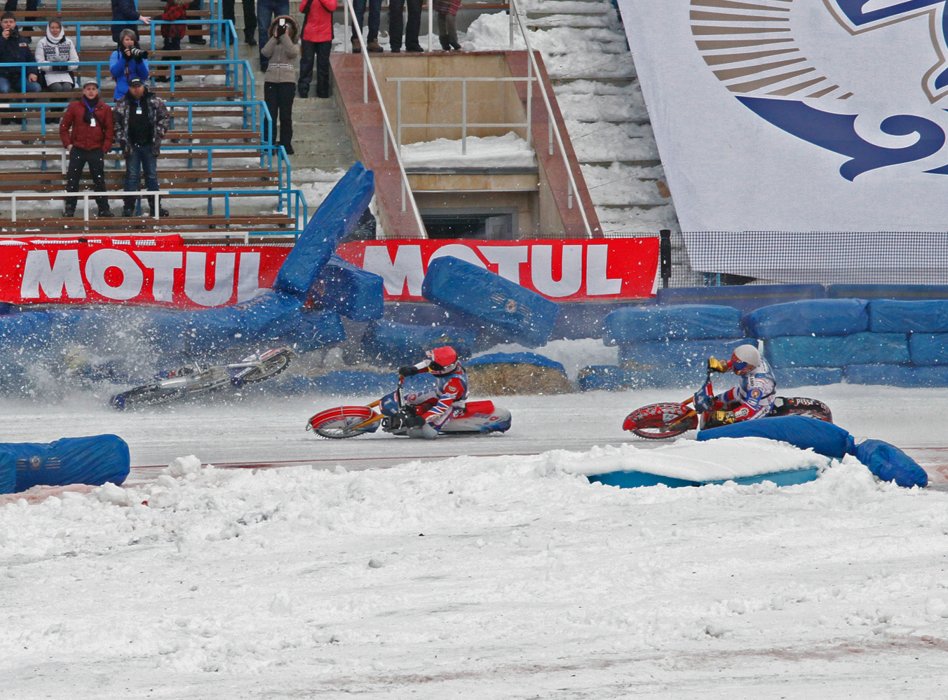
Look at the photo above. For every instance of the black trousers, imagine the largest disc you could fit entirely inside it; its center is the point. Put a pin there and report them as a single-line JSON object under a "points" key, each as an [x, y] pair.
{"points": [[250, 16], [78, 157], [411, 27], [320, 50], [279, 98]]}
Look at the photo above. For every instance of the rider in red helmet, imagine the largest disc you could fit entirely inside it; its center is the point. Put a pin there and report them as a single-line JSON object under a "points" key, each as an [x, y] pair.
{"points": [[437, 405], [752, 398]]}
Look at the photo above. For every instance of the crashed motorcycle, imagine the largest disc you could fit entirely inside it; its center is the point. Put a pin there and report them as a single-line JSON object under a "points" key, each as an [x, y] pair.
{"points": [[470, 418], [196, 380], [659, 421]]}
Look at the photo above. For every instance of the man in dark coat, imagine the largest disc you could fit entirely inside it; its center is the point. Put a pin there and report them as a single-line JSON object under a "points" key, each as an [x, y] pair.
{"points": [[141, 120]]}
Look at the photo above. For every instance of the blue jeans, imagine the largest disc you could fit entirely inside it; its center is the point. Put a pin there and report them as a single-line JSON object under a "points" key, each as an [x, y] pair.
{"points": [[375, 17], [6, 85], [267, 11], [140, 159]]}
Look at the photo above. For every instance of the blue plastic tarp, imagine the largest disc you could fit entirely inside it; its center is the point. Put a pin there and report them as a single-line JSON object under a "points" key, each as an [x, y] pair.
{"points": [[929, 348], [889, 463], [837, 351], [891, 316]]}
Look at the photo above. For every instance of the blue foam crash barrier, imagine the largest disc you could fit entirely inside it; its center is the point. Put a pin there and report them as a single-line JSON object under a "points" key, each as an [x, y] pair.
{"points": [[212, 330], [801, 431], [7, 473], [905, 292], [636, 479], [355, 382], [809, 376], [603, 377], [898, 375], [809, 317], [634, 324], [490, 301], [349, 290], [837, 351], [402, 343], [305, 331], [32, 331], [684, 355], [743, 297], [91, 460], [337, 216], [889, 463], [929, 348], [515, 358], [891, 316]]}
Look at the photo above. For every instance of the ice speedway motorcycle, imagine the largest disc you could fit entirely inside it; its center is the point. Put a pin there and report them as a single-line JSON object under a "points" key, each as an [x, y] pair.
{"points": [[199, 380], [473, 418], [658, 421]]}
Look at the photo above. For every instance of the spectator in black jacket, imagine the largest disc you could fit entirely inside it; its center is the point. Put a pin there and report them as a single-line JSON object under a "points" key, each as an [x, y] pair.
{"points": [[15, 49], [125, 11]]}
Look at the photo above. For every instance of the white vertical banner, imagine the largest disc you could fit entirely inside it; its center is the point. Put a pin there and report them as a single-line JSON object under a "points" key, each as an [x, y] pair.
{"points": [[798, 115]]}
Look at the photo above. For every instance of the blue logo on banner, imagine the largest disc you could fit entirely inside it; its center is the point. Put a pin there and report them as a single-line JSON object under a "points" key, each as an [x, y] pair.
{"points": [[751, 49]]}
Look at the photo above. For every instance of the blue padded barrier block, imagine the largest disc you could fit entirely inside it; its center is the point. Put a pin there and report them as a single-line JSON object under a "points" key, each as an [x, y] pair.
{"points": [[220, 328], [350, 290], [497, 303], [92, 460], [889, 463], [801, 431], [306, 331], [898, 375], [614, 378], [7, 472], [815, 316], [682, 355], [337, 217], [837, 351], [400, 343], [905, 292], [636, 479], [635, 324], [36, 330], [603, 377], [808, 376], [891, 316], [743, 297], [515, 358], [355, 382], [929, 348]]}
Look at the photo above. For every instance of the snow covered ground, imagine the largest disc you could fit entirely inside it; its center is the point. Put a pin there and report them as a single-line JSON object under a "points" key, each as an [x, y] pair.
{"points": [[469, 567]]}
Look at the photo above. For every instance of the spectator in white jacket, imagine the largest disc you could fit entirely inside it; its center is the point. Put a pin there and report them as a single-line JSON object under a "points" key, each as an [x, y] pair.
{"points": [[56, 58]]}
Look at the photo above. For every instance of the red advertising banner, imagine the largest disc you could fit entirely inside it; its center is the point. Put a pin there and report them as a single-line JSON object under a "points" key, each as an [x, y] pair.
{"points": [[157, 271], [561, 270], [167, 271]]}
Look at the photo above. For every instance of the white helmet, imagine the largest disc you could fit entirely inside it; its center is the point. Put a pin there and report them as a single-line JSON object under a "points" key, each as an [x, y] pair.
{"points": [[746, 358]]}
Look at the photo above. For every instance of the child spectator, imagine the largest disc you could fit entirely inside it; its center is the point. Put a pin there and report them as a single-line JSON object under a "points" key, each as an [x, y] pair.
{"points": [[317, 41], [279, 86], [57, 59], [127, 62], [447, 23]]}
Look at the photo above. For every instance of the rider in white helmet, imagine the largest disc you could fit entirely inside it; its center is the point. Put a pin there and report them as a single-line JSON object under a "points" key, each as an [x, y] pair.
{"points": [[752, 398]]}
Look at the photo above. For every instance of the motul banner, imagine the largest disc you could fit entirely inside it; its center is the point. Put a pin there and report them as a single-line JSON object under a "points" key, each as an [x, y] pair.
{"points": [[561, 270], [157, 271], [166, 271]]}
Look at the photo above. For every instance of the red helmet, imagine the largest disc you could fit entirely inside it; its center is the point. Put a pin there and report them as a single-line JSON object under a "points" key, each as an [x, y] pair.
{"points": [[443, 360]]}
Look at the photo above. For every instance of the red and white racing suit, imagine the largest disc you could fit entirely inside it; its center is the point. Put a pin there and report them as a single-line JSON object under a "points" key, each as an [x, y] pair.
{"points": [[753, 397], [443, 400]]}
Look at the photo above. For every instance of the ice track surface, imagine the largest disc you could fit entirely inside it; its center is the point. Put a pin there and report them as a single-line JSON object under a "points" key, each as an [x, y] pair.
{"points": [[262, 430]]}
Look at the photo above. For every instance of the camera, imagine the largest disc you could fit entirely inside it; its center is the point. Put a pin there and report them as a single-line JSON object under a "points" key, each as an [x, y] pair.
{"points": [[137, 53]]}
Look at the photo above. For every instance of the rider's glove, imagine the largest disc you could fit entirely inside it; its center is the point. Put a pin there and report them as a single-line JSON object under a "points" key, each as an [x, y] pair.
{"points": [[408, 371], [703, 402], [716, 365], [723, 417]]}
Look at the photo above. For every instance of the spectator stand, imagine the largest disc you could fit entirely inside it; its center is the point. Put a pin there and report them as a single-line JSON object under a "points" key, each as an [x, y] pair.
{"points": [[218, 148]]}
